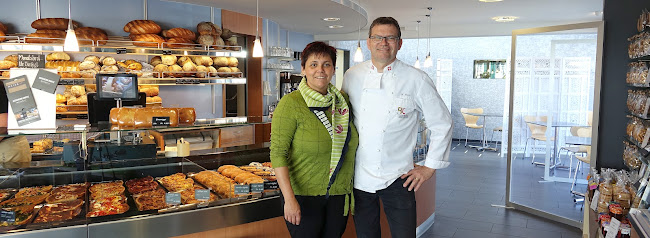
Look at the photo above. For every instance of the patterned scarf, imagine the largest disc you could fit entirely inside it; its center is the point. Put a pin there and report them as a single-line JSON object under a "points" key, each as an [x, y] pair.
{"points": [[340, 116]]}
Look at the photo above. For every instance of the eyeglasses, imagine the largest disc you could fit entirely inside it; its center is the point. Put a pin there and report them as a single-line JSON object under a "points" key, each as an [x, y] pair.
{"points": [[389, 39]]}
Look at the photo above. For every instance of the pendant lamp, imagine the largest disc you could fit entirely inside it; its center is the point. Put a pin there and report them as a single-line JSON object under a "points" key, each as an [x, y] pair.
{"points": [[358, 55], [71, 43], [428, 62], [417, 59], [258, 52]]}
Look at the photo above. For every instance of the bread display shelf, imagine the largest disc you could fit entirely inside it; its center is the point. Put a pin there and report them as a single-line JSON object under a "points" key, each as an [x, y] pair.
{"points": [[164, 81], [119, 45], [282, 58], [643, 153]]}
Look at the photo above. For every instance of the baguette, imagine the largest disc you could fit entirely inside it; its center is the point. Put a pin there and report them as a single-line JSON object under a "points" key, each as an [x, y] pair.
{"points": [[179, 33], [142, 27], [53, 24], [146, 40]]}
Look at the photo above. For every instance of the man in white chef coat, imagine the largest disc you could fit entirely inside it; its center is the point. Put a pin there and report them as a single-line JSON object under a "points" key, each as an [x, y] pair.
{"points": [[388, 100]]}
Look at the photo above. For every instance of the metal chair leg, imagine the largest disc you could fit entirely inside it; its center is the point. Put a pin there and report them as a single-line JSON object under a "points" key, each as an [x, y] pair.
{"points": [[525, 148], [575, 176], [466, 135]]}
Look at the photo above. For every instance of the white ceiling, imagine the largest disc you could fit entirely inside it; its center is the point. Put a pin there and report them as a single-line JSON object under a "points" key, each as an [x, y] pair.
{"points": [[449, 18]]}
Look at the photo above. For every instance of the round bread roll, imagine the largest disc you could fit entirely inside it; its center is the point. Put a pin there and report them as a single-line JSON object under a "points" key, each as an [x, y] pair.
{"points": [[60, 98], [168, 59], [153, 90], [109, 61], [202, 60], [160, 69], [134, 66], [218, 44], [223, 71], [97, 67], [91, 88], [78, 90], [87, 65], [92, 58], [156, 60], [213, 71], [12, 58], [121, 65], [206, 40], [88, 73], [205, 28], [189, 66], [226, 33], [6, 64], [222, 61], [156, 99], [176, 69], [57, 56], [201, 71], [234, 69], [149, 100], [109, 69], [181, 60], [233, 62]]}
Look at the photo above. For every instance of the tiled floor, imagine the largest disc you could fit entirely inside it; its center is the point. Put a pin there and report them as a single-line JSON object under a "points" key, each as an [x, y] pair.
{"points": [[466, 189]]}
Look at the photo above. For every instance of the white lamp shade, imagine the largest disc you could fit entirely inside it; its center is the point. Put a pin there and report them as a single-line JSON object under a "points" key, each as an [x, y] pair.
{"points": [[257, 49], [417, 63], [358, 55], [428, 62], [71, 43]]}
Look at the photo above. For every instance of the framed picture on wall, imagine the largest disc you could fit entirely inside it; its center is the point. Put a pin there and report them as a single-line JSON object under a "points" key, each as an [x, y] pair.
{"points": [[490, 69]]}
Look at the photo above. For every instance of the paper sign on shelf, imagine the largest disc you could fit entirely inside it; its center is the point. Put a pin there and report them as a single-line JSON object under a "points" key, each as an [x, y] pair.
{"points": [[21, 100], [594, 200], [46, 81], [45, 104]]}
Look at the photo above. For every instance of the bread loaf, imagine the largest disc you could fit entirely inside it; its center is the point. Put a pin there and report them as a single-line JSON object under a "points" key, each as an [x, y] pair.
{"points": [[52, 38], [2, 38], [208, 28], [93, 30], [53, 24], [218, 44], [206, 40], [225, 34], [224, 71], [179, 43], [160, 69], [12, 58], [57, 56], [176, 70], [181, 60], [202, 60], [92, 58], [142, 27], [221, 61], [89, 36], [108, 60], [186, 115], [6, 74], [233, 62], [6, 64], [156, 60], [3, 28], [179, 33], [168, 59], [55, 32], [87, 65], [201, 71], [146, 40]]}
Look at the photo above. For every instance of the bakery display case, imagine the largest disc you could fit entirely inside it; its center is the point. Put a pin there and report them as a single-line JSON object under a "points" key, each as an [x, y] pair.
{"points": [[164, 196]]}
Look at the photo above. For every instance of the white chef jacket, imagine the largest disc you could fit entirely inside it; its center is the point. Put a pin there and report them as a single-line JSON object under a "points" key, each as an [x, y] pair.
{"points": [[386, 108]]}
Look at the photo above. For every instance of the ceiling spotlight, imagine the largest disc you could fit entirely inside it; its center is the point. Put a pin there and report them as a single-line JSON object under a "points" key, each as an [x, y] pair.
{"points": [[331, 19], [335, 26], [490, 0], [504, 18], [597, 13]]}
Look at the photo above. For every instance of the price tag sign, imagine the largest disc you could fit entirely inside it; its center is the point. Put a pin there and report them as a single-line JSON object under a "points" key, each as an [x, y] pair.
{"points": [[271, 185], [257, 187], [121, 50], [160, 121], [612, 229], [242, 189], [173, 198], [202, 194], [33, 61], [166, 52], [594, 200], [7, 216]]}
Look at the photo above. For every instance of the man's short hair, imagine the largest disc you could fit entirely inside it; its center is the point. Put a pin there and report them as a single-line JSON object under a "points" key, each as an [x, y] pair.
{"points": [[385, 21]]}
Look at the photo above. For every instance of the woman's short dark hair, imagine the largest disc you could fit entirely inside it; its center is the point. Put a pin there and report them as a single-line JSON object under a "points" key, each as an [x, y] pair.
{"points": [[318, 48], [385, 21]]}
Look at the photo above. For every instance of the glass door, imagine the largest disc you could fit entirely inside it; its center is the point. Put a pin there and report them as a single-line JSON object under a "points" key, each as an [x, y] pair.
{"points": [[554, 90]]}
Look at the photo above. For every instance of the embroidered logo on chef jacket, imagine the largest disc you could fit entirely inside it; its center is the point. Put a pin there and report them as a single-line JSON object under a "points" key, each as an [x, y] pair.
{"points": [[400, 112], [404, 105]]}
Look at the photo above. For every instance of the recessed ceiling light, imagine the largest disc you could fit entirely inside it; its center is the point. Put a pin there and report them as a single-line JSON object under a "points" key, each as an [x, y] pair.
{"points": [[335, 26], [331, 19], [504, 18], [490, 0]]}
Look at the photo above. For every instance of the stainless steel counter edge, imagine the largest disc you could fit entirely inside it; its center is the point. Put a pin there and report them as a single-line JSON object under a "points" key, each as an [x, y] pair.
{"points": [[170, 224]]}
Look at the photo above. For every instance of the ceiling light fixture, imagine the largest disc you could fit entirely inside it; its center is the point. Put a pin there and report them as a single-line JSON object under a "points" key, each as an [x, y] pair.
{"points": [[490, 0], [258, 52], [71, 43], [335, 26], [504, 18], [331, 19], [428, 62], [358, 55], [417, 59]]}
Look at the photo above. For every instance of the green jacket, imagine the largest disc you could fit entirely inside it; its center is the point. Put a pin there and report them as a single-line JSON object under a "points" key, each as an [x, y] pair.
{"points": [[301, 142]]}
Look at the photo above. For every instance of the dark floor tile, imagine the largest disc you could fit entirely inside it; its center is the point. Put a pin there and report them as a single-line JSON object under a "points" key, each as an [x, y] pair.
{"points": [[498, 219], [464, 233], [523, 232]]}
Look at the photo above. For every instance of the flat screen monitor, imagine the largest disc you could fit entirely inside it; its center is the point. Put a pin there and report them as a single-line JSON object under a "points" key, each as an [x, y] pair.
{"points": [[117, 87]]}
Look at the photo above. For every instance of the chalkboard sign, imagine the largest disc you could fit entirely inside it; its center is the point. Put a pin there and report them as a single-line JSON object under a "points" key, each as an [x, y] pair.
{"points": [[7, 216], [271, 185], [33, 61]]}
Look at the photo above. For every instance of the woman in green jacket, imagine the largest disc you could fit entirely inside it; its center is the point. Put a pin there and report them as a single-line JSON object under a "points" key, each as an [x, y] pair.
{"points": [[313, 143]]}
